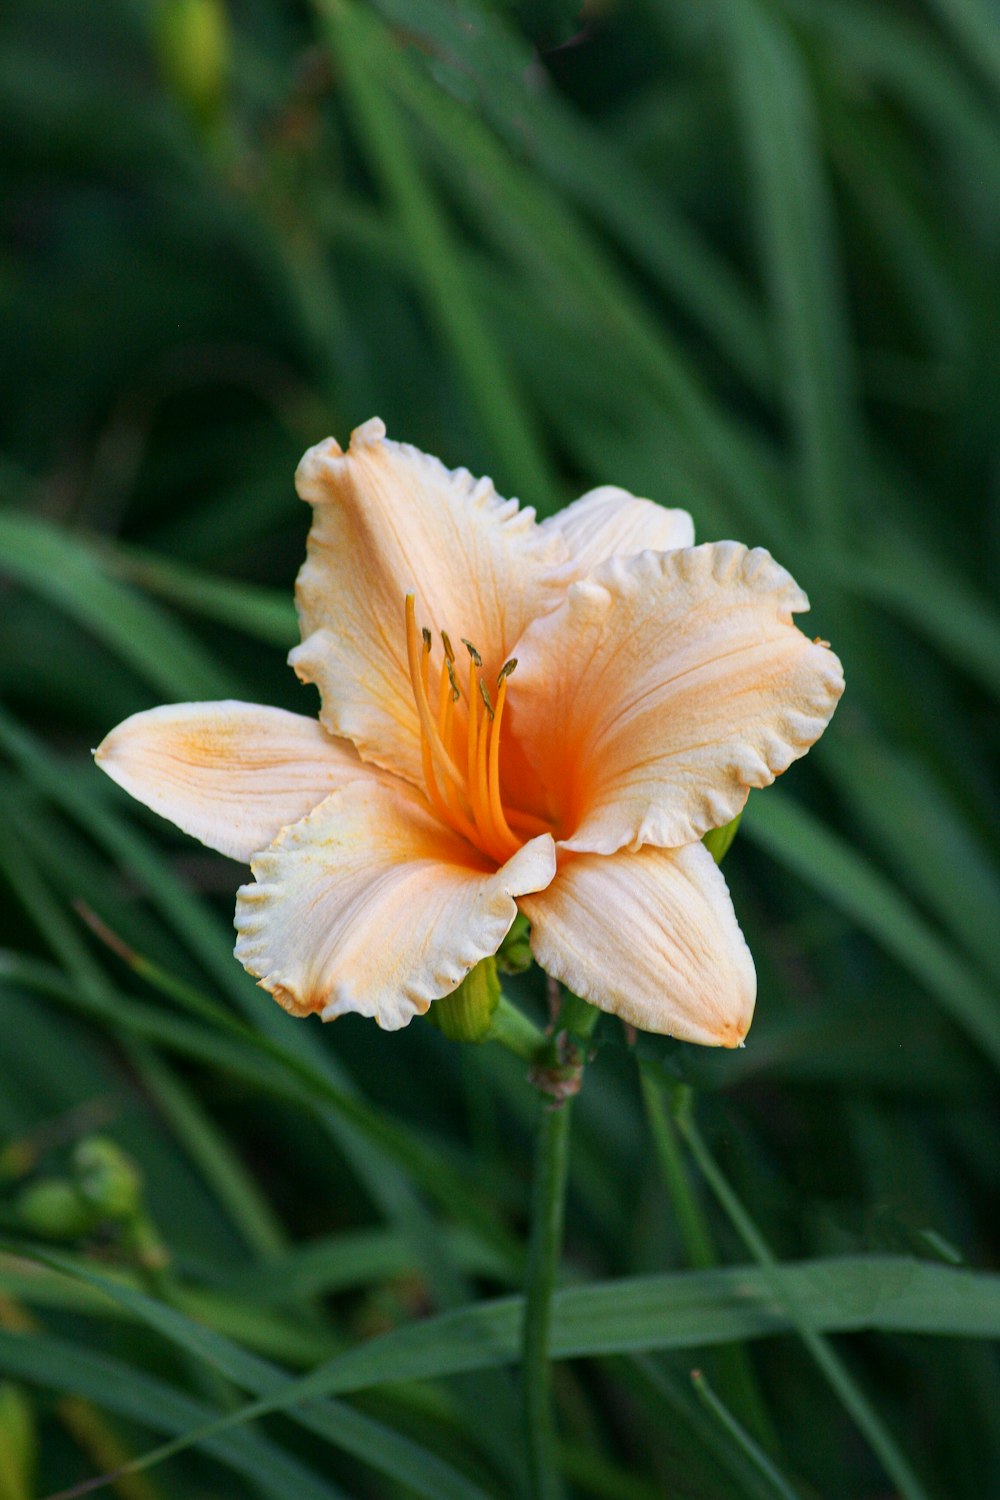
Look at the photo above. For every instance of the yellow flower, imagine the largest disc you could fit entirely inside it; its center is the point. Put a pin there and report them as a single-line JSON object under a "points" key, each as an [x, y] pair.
{"points": [[513, 714]]}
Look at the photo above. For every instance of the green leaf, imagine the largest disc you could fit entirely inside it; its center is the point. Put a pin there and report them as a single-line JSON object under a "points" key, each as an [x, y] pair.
{"points": [[44, 558]]}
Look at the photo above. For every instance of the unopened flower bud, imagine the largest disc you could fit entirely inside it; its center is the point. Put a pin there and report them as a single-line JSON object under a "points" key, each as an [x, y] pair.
{"points": [[514, 955], [54, 1209], [107, 1179], [464, 1015], [718, 840], [192, 43]]}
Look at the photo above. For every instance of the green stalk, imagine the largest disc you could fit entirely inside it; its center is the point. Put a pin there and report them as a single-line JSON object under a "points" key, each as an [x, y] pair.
{"points": [[547, 1210], [513, 1030]]}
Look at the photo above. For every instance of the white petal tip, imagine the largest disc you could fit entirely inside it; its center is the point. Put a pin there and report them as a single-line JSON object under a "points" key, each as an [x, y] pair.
{"points": [[368, 434]]}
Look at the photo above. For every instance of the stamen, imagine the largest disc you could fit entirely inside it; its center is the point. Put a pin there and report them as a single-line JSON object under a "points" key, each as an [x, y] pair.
{"points": [[450, 794], [473, 734], [446, 705], [493, 779], [476, 757], [436, 749], [444, 698]]}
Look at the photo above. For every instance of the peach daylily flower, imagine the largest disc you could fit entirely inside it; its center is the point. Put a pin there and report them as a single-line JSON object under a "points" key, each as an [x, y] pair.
{"points": [[545, 716]]}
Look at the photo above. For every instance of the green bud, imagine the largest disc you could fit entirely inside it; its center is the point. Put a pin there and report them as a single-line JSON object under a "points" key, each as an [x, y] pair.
{"points": [[464, 1015], [192, 44], [107, 1179], [54, 1209], [515, 950], [18, 1444], [718, 840]]}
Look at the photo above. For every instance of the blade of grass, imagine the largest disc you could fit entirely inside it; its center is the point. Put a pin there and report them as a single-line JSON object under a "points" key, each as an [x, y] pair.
{"points": [[375, 1444], [130, 1392], [933, 599], [797, 230], [46, 559], [681, 1310], [583, 162], [265, 614], [507, 423], [799, 841], [742, 1438], [848, 1392], [511, 209]]}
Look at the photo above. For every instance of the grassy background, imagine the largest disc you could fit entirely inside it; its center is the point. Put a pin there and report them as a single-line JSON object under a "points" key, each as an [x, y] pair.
{"points": [[740, 256]]}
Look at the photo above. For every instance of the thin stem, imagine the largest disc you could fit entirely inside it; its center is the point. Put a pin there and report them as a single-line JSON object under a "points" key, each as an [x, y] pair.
{"points": [[730, 1361], [742, 1438], [547, 1207], [691, 1221], [512, 1029], [851, 1396]]}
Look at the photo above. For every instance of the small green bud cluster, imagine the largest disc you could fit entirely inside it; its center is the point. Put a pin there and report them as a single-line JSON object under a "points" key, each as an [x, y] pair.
{"points": [[105, 1186]]}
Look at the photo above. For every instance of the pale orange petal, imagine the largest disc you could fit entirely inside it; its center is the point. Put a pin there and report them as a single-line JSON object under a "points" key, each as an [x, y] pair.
{"points": [[609, 522], [664, 688], [650, 936], [370, 905], [231, 774], [389, 520]]}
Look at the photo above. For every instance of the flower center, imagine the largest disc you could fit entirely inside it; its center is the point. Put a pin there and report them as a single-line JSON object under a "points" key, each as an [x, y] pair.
{"points": [[464, 788]]}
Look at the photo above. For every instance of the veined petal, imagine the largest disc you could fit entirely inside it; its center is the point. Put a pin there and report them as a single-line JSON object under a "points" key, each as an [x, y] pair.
{"points": [[389, 520], [370, 905], [666, 686], [609, 522], [650, 936], [231, 774]]}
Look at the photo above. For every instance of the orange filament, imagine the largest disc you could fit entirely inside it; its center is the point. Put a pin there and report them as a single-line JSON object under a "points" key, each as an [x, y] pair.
{"points": [[469, 804], [493, 780]]}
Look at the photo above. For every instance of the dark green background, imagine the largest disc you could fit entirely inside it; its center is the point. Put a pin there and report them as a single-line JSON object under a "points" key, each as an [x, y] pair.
{"points": [[736, 255]]}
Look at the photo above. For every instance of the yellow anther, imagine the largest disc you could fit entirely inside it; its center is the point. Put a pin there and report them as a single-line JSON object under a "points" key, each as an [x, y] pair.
{"points": [[448, 648]]}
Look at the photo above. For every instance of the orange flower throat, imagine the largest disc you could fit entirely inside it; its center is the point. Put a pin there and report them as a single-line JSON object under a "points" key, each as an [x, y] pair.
{"points": [[464, 790]]}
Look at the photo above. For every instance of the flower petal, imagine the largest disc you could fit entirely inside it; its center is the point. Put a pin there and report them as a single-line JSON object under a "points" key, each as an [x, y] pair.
{"points": [[389, 520], [371, 905], [650, 936], [231, 774], [609, 522], [665, 687]]}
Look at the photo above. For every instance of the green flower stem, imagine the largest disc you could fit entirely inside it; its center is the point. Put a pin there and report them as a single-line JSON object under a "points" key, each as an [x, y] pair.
{"points": [[547, 1210], [513, 1030]]}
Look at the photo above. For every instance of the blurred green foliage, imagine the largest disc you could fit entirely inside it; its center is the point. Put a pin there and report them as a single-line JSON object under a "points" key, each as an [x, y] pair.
{"points": [[741, 256]]}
